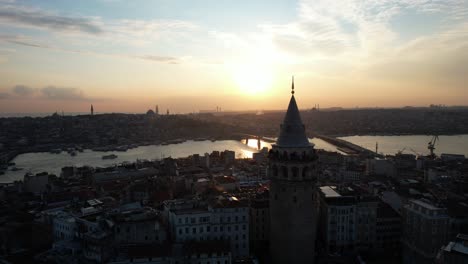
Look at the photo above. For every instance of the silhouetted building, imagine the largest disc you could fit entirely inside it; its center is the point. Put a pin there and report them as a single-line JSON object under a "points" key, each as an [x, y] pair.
{"points": [[456, 252], [425, 231], [348, 219], [259, 224], [292, 172]]}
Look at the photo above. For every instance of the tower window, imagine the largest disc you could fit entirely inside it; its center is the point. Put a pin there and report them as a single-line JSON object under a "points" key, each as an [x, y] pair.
{"points": [[295, 172], [284, 171]]}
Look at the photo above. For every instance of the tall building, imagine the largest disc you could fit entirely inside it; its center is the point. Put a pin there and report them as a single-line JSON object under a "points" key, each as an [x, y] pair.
{"points": [[292, 173]]}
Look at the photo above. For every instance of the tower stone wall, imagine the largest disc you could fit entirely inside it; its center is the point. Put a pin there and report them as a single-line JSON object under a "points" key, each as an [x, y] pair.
{"points": [[293, 174]]}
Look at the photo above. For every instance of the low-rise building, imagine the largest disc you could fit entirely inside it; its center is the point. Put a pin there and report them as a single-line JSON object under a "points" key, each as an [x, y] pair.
{"points": [[455, 252], [425, 230], [347, 219], [224, 219], [64, 226], [139, 227]]}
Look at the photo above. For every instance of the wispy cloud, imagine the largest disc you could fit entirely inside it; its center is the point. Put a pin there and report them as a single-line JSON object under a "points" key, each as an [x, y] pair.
{"points": [[22, 90], [84, 30], [28, 42], [165, 59], [62, 93], [36, 18]]}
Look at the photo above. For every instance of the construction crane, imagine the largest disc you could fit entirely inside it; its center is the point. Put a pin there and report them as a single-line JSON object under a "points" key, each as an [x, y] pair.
{"points": [[431, 145], [415, 152], [401, 151]]}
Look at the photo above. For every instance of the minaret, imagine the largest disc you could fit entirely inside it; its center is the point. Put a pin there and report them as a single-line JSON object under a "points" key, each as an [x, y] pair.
{"points": [[293, 176], [92, 110], [157, 110]]}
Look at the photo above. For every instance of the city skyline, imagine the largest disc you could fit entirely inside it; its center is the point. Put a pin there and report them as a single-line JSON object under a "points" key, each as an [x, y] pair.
{"points": [[128, 56]]}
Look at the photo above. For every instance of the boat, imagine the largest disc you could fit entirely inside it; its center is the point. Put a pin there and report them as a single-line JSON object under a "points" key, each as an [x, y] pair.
{"points": [[16, 169], [121, 148], [55, 151], [111, 156], [73, 153], [176, 141]]}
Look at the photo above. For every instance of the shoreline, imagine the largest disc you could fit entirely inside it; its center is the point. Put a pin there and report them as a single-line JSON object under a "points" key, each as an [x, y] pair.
{"points": [[118, 148]]}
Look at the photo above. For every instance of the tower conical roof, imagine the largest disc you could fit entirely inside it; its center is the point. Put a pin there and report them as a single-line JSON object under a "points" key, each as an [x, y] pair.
{"points": [[292, 132]]}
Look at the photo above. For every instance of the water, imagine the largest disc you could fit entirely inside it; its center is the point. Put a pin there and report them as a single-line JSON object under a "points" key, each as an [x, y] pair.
{"points": [[457, 144], [53, 163]]}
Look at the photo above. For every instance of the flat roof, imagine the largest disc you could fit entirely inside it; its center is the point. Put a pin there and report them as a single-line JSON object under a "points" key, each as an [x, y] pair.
{"points": [[426, 205], [329, 191]]}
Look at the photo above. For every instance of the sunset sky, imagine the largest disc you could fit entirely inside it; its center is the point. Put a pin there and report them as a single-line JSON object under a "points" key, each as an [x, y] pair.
{"points": [[127, 56]]}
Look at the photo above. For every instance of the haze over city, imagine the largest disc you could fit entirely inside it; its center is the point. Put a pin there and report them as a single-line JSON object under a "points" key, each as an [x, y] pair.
{"points": [[127, 56]]}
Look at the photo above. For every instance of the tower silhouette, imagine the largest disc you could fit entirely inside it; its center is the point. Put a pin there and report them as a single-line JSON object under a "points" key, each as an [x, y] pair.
{"points": [[293, 175]]}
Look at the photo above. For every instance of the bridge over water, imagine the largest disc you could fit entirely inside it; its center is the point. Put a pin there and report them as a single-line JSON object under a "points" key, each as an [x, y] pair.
{"points": [[342, 145]]}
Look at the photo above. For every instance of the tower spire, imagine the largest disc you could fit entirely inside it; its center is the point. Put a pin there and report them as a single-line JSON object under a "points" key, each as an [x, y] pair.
{"points": [[292, 131], [292, 86]]}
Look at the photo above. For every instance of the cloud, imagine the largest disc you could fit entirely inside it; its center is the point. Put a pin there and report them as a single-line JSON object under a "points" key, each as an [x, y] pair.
{"points": [[165, 59], [438, 59], [4, 95], [127, 30], [62, 93], [22, 41], [36, 18], [86, 30], [26, 41], [22, 90]]}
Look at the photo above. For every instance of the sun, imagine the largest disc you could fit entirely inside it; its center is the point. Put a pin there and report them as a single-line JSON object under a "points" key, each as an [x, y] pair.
{"points": [[253, 78]]}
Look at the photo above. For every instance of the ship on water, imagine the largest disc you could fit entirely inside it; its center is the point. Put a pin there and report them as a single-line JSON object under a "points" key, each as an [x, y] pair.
{"points": [[111, 156]]}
